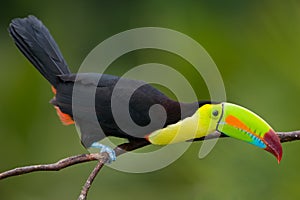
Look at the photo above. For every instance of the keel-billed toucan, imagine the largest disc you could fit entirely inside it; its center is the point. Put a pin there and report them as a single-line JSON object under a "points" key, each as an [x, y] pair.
{"points": [[183, 121]]}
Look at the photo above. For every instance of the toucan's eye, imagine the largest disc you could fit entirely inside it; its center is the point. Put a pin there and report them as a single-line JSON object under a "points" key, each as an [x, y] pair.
{"points": [[215, 113]]}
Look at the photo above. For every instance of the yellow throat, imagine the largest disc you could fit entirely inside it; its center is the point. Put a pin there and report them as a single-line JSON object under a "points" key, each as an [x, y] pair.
{"points": [[200, 124]]}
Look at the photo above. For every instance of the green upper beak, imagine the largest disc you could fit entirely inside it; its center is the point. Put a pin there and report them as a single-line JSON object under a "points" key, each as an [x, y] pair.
{"points": [[242, 124]]}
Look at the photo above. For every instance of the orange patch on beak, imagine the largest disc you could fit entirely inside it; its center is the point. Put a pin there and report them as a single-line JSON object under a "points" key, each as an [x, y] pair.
{"points": [[233, 121]]}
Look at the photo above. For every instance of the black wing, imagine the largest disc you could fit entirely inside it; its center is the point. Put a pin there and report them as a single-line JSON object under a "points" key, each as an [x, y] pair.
{"points": [[116, 101]]}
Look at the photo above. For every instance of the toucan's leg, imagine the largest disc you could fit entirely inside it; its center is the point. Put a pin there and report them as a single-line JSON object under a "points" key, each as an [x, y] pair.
{"points": [[106, 149], [132, 145]]}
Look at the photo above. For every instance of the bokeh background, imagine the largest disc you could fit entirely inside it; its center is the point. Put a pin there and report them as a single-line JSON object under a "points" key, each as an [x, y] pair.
{"points": [[255, 45]]}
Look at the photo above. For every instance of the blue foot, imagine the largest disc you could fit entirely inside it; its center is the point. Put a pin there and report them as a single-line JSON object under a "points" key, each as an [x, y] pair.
{"points": [[108, 150]]}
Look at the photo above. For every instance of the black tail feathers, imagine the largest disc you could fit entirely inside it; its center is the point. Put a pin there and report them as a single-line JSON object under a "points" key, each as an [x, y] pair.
{"points": [[37, 44]]}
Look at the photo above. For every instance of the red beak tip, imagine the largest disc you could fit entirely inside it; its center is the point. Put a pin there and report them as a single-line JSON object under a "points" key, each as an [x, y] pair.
{"points": [[279, 158], [273, 144]]}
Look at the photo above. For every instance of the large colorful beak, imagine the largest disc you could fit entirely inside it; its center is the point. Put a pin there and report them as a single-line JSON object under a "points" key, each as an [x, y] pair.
{"points": [[242, 124]]}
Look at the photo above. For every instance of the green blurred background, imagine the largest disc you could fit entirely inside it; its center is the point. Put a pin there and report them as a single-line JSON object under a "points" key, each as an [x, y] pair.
{"points": [[256, 46]]}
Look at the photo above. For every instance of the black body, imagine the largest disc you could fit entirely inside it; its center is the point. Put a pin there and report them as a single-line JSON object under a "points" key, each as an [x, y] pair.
{"points": [[36, 43]]}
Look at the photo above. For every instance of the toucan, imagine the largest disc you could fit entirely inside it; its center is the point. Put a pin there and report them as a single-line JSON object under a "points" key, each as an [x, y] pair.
{"points": [[178, 123]]}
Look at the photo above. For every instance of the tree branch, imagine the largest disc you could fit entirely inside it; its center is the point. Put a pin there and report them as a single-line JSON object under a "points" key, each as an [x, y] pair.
{"points": [[123, 148], [284, 136], [102, 158], [89, 181], [61, 164]]}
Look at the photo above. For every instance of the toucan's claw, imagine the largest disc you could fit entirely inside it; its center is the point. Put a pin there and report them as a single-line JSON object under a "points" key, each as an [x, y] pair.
{"points": [[106, 149]]}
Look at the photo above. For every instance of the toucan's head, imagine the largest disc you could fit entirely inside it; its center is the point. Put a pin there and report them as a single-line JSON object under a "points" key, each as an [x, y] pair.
{"points": [[240, 123]]}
